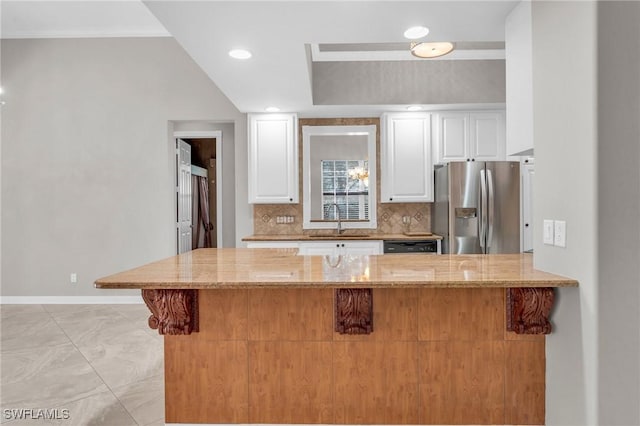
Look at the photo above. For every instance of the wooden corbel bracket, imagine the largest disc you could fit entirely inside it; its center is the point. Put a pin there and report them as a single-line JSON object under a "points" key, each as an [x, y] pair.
{"points": [[354, 310], [172, 311], [528, 310]]}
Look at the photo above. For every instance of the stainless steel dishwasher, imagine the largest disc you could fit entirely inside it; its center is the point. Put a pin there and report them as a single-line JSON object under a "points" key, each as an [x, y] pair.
{"points": [[411, 246]]}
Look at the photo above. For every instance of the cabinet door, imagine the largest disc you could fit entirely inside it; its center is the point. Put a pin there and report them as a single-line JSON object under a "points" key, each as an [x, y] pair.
{"points": [[486, 136], [321, 248], [453, 137], [528, 173], [365, 248], [340, 247], [407, 168], [273, 159]]}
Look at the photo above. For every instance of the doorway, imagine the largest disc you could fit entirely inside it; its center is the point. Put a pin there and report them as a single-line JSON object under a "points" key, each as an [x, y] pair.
{"points": [[205, 160]]}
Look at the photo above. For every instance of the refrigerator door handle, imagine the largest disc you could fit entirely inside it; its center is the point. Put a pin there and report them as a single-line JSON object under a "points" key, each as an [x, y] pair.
{"points": [[482, 216], [490, 209]]}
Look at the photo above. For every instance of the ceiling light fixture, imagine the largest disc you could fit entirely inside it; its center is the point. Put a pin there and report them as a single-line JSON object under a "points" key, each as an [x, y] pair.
{"points": [[240, 54], [272, 109], [431, 49], [416, 32], [414, 108]]}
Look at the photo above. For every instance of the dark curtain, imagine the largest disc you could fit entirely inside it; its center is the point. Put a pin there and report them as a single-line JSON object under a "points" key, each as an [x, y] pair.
{"points": [[202, 227]]}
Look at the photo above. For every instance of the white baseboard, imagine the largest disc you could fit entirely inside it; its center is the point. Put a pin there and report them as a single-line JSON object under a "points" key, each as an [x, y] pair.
{"points": [[70, 300]]}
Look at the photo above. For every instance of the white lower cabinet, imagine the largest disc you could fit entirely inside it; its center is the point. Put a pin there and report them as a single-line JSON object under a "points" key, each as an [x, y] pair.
{"points": [[350, 247], [321, 248]]}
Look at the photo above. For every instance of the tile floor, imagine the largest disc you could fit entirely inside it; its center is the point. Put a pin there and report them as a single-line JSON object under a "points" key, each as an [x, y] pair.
{"points": [[102, 363]]}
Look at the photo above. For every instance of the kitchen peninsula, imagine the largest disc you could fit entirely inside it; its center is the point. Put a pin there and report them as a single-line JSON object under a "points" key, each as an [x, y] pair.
{"points": [[267, 336]]}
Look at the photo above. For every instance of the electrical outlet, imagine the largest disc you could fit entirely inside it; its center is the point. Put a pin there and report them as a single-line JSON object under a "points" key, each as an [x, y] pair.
{"points": [[547, 232], [73, 278], [560, 233]]}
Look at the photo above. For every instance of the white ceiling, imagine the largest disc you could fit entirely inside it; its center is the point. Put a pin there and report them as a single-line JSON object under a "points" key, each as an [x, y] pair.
{"points": [[275, 32], [49, 19]]}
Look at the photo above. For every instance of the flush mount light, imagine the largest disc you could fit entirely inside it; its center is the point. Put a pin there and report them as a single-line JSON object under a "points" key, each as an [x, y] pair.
{"points": [[414, 108], [240, 54], [272, 109], [431, 49], [416, 32]]}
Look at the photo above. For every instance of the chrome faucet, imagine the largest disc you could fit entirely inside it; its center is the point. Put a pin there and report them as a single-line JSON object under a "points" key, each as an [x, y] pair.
{"points": [[337, 213]]}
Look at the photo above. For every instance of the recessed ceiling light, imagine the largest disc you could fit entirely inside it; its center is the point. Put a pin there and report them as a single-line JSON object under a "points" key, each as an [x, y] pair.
{"points": [[272, 109], [414, 108], [431, 50], [416, 32], [240, 54]]}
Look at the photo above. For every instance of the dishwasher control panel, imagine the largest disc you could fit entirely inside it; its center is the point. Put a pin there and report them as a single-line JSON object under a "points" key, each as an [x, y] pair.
{"points": [[410, 246]]}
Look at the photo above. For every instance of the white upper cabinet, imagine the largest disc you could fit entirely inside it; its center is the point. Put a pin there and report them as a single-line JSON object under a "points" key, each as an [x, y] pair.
{"points": [[273, 158], [453, 137], [470, 136], [519, 80], [406, 163], [486, 136]]}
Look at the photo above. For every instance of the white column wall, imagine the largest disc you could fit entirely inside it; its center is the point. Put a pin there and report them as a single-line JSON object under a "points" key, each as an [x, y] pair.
{"points": [[565, 140]]}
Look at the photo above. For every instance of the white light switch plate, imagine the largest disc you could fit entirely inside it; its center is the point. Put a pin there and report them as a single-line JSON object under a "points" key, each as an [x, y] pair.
{"points": [[560, 233], [547, 232]]}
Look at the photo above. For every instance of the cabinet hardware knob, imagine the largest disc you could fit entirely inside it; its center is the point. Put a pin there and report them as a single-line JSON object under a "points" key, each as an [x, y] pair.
{"points": [[468, 159], [473, 159], [290, 199], [390, 198], [526, 225]]}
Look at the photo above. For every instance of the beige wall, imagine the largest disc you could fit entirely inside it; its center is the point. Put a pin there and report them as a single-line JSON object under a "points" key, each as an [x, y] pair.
{"points": [[87, 169]]}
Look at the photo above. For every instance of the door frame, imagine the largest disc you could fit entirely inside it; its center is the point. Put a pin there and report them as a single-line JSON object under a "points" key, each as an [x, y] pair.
{"points": [[209, 134]]}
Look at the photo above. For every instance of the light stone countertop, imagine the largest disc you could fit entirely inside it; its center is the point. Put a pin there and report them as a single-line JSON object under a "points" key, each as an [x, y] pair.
{"points": [[231, 268], [350, 235]]}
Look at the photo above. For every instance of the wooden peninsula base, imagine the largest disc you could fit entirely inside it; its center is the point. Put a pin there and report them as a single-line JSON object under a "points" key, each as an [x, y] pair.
{"points": [[267, 336], [436, 356]]}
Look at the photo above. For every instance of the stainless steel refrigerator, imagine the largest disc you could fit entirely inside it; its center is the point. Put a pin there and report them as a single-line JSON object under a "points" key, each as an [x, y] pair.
{"points": [[477, 207]]}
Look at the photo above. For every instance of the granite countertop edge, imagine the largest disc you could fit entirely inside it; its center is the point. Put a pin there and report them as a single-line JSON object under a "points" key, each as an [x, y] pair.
{"points": [[332, 285]]}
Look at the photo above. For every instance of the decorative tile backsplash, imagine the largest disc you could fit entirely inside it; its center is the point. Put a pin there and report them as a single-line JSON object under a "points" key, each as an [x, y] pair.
{"points": [[265, 219], [390, 219]]}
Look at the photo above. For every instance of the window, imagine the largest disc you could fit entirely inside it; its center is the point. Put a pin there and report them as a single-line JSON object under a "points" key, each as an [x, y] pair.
{"points": [[345, 183]]}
